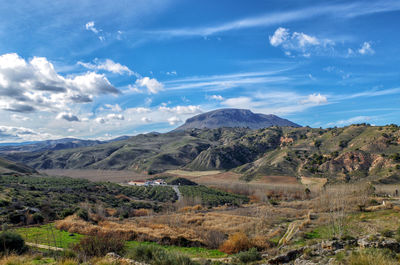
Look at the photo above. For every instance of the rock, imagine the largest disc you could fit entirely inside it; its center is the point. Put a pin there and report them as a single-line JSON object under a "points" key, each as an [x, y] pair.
{"points": [[287, 257], [379, 242], [115, 257], [332, 245]]}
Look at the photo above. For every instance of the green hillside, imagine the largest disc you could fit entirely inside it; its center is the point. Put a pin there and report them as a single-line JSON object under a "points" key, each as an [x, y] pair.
{"points": [[9, 167], [349, 153]]}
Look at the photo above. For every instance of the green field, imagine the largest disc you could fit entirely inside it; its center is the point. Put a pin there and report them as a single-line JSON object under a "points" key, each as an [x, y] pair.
{"points": [[50, 236]]}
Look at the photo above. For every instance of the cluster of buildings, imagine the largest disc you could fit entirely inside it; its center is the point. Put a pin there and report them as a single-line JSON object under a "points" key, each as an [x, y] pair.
{"points": [[147, 182]]}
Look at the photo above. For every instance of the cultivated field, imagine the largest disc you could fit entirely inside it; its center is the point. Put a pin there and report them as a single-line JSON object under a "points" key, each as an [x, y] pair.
{"points": [[117, 176]]}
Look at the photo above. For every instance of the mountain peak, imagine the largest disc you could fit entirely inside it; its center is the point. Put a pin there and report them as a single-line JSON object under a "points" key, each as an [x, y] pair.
{"points": [[234, 118]]}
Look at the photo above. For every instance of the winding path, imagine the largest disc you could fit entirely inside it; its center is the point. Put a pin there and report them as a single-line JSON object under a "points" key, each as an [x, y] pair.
{"points": [[178, 192]]}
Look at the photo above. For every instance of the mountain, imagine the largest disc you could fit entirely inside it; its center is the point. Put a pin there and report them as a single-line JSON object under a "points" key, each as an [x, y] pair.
{"points": [[9, 167], [242, 118], [52, 145], [340, 154]]}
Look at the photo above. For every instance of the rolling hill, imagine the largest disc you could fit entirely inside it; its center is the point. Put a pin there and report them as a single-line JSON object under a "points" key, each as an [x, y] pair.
{"points": [[234, 118], [8, 167], [343, 154]]}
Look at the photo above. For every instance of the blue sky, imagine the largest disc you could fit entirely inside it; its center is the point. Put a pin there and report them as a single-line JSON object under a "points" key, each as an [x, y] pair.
{"points": [[100, 69]]}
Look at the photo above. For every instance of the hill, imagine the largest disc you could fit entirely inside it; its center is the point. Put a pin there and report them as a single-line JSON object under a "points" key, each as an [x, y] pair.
{"points": [[343, 154], [9, 167], [234, 118]]}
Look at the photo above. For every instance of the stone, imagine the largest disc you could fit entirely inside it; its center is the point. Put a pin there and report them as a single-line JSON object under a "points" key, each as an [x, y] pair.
{"points": [[287, 257]]}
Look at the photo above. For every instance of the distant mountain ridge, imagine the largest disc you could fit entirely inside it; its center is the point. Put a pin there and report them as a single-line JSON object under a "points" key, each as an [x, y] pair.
{"points": [[241, 118], [53, 145]]}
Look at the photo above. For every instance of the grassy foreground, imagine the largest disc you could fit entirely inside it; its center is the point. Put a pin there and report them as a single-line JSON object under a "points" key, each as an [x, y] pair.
{"points": [[50, 236]]}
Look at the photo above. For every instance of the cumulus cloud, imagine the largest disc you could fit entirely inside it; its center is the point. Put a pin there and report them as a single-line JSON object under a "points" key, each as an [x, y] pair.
{"points": [[366, 49], [10, 133], [316, 99], [108, 65], [182, 109], [67, 116], [26, 86], [151, 84], [299, 42], [174, 120]]}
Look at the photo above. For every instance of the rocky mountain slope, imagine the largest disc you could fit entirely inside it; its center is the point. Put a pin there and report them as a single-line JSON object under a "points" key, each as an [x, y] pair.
{"points": [[234, 118], [343, 154]]}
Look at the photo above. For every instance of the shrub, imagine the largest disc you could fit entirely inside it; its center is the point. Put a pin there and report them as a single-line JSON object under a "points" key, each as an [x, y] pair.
{"points": [[158, 256], [38, 218], [11, 242], [213, 238], [83, 214], [236, 243], [99, 245], [248, 256]]}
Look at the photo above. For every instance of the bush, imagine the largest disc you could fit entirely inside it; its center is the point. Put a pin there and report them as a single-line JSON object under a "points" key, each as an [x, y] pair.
{"points": [[248, 256], [38, 218], [83, 214], [11, 242], [158, 256], [99, 245], [236, 243]]}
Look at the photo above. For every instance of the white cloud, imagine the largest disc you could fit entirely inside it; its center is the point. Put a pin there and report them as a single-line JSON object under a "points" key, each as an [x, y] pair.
{"points": [[239, 102], [300, 42], [151, 84], [353, 120], [174, 120], [338, 11], [90, 26], [146, 120], [16, 117], [114, 116], [67, 116], [366, 49], [108, 65], [100, 120], [182, 109], [217, 97], [115, 108], [280, 35], [173, 73], [10, 133], [316, 99], [33, 85]]}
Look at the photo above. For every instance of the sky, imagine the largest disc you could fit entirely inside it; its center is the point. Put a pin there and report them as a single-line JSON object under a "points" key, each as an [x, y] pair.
{"points": [[101, 69]]}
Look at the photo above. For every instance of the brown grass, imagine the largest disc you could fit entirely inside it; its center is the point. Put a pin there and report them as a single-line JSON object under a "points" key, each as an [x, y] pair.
{"points": [[236, 243]]}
